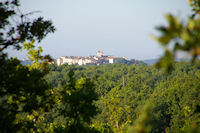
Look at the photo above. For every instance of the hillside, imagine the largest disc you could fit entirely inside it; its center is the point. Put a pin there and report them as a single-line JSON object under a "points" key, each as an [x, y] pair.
{"points": [[124, 91]]}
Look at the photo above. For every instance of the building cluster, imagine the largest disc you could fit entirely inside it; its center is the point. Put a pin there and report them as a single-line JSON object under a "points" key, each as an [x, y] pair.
{"points": [[99, 59]]}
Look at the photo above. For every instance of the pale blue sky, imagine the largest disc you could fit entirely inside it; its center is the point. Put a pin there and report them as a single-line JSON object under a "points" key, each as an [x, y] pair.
{"points": [[117, 27]]}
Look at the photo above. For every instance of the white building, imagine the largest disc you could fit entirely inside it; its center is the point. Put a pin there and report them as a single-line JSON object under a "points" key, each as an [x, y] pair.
{"points": [[59, 61], [100, 53], [99, 59], [111, 60]]}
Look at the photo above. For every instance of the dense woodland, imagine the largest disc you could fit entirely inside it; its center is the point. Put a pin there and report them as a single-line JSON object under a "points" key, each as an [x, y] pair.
{"points": [[113, 98], [124, 92]]}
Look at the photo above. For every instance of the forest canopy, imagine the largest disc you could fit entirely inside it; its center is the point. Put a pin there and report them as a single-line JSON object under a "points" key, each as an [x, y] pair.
{"points": [[120, 98]]}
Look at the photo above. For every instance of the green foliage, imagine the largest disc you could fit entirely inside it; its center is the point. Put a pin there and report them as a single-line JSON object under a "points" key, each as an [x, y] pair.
{"points": [[77, 98], [144, 123], [25, 95], [174, 98], [195, 4], [15, 33], [178, 36], [34, 55], [27, 101], [120, 93], [116, 109]]}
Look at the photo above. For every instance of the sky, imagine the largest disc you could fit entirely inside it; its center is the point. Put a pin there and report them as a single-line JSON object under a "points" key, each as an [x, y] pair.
{"points": [[117, 27]]}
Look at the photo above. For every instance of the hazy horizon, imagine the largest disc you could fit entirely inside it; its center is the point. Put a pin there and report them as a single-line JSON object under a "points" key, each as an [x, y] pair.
{"points": [[117, 27]]}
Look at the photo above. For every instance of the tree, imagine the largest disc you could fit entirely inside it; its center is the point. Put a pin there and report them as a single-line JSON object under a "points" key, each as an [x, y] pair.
{"points": [[116, 109], [16, 27], [144, 123], [180, 36], [24, 94], [77, 105], [26, 98]]}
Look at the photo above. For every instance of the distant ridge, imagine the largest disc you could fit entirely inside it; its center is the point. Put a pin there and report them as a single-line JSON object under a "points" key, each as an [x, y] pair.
{"points": [[153, 61], [150, 61]]}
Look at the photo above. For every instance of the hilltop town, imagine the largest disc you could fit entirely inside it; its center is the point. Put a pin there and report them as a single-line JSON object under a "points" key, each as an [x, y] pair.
{"points": [[98, 59]]}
